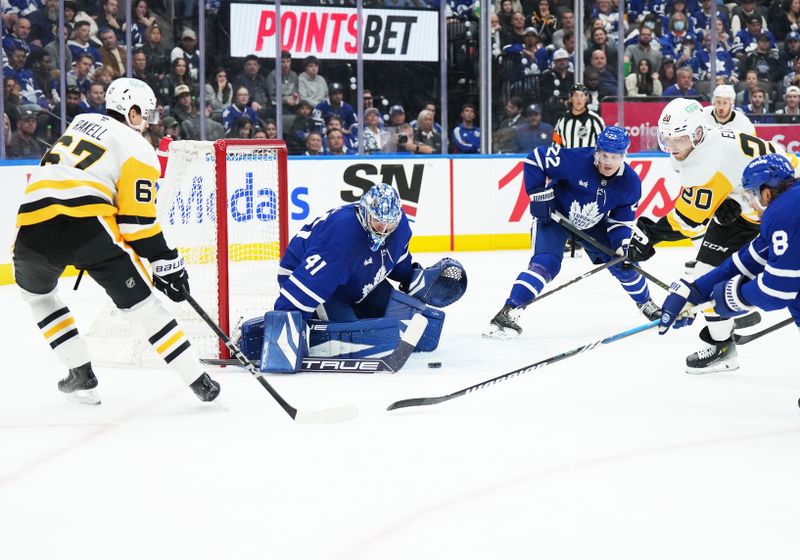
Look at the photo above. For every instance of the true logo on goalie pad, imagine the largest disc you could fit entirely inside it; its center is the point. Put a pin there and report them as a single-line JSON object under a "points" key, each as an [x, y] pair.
{"points": [[354, 365]]}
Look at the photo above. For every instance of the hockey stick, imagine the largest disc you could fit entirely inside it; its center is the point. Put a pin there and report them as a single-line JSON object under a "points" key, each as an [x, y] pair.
{"points": [[326, 416], [745, 338], [569, 226], [424, 401], [388, 364], [595, 270]]}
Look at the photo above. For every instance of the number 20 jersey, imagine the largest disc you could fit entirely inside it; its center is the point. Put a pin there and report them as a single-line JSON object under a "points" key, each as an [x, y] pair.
{"points": [[98, 168], [711, 172]]}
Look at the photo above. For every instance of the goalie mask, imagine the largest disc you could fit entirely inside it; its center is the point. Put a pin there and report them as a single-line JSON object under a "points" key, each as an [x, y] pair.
{"points": [[126, 93], [379, 213]]}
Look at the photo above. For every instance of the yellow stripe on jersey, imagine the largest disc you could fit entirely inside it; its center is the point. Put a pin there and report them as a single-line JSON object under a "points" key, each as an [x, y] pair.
{"points": [[142, 233], [53, 210], [69, 184]]}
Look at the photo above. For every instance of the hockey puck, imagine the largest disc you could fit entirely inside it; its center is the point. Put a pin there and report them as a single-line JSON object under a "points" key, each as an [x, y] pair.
{"points": [[434, 364]]}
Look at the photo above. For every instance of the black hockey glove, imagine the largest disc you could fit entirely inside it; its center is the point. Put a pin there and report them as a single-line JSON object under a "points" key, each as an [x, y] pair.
{"points": [[170, 276], [727, 212], [641, 247]]}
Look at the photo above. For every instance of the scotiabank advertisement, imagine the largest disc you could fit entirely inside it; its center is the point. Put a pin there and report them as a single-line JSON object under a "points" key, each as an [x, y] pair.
{"points": [[641, 121], [332, 32]]}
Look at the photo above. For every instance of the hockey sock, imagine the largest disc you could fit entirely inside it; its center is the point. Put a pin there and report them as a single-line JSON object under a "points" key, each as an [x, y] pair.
{"points": [[58, 327], [719, 329], [166, 337], [633, 283], [528, 285]]}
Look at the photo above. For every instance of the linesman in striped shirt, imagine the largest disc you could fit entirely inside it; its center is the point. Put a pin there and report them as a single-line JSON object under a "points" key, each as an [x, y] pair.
{"points": [[579, 127], [91, 204]]}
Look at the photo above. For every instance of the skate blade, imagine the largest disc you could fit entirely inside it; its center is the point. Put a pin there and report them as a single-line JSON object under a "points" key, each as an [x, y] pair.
{"points": [[84, 396], [713, 369]]}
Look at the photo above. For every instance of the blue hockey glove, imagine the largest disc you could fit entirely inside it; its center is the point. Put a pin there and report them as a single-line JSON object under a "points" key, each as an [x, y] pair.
{"points": [[438, 285], [681, 294], [542, 205], [728, 300]]}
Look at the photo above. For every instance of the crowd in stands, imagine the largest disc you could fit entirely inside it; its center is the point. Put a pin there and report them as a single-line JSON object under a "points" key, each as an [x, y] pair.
{"points": [[665, 52]]}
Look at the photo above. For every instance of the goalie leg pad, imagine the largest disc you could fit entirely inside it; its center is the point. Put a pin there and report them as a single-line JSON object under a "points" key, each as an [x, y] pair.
{"points": [[284, 342], [252, 338], [366, 338], [403, 307]]}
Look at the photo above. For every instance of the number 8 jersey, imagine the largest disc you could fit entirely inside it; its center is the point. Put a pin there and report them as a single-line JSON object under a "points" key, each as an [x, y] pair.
{"points": [[99, 168], [709, 175]]}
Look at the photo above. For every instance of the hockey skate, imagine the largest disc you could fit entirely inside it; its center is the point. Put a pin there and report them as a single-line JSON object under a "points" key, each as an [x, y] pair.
{"points": [[650, 310], [80, 385], [504, 325], [205, 388], [720, 356]]}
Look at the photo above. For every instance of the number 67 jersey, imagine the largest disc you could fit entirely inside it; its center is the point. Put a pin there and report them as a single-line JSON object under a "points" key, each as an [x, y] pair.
{"points": [[710, 173], [99, 168]]}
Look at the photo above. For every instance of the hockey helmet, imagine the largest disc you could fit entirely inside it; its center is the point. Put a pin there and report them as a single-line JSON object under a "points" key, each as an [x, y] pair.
{"points": [[771, 170], [613, 140], [379, 213], [125, 93], [681, 117], [723, 91]]}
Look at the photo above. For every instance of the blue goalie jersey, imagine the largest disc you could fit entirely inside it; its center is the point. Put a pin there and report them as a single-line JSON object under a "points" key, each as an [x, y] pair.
{"points": [[331, 257], [581, 193]]}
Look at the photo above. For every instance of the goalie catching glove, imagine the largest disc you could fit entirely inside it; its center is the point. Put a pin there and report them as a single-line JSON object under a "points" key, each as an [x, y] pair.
{"points": [[438, 285], [170, 276]]}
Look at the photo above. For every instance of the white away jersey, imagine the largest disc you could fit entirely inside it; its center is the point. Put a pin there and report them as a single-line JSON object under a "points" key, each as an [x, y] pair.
{"points": [[739, 122]]}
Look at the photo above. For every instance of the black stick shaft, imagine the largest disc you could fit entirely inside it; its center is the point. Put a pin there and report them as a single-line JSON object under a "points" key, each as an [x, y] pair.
{"points": [[745, 338], [595, 270]]}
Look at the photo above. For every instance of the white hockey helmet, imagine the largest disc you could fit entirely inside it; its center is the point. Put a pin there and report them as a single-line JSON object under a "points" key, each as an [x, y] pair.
{"points": [[126, 93], [723, 91], [681, 117]]}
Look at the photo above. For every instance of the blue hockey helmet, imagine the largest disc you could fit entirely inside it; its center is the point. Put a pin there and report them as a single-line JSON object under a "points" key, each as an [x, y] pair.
{"points": [[613, 140], [771, 170], [379, 212]]}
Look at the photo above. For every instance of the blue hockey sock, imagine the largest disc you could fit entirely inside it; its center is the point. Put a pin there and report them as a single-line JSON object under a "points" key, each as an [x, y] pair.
{"points": [[633, 283], [528, 285]]}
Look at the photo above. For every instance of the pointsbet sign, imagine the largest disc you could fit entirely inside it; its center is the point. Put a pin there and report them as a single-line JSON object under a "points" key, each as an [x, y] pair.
{"points": [[332, 32]]}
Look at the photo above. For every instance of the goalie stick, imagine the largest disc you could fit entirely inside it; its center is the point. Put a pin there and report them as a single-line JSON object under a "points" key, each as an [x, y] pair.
{"points": [[326, 416], [388, 364], [424, 401]]}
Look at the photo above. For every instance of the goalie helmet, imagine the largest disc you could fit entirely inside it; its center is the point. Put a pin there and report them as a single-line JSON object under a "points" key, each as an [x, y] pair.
{"points": [[772, 170], [379, 213], [681, 117], [125, 93]]}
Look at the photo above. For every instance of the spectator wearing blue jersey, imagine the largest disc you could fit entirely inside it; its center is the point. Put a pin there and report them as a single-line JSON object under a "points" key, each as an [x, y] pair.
{"points": [[701, 61], [18, 37], [672, 43], [746, 40], [702, 17], [80, 42], [764, 60], [334, 145], [336, 106], [239, 108], [95, 101], [466, 137], [533, 133], [29, 87]]}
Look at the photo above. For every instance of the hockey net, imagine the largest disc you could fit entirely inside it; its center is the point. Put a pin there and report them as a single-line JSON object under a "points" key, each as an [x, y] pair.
{"points": [[224, 206]]}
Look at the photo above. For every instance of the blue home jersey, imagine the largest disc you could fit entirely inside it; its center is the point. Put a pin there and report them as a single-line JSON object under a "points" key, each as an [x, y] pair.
{"points": [[331, 256], [581, 193], [466, 140], [771, 261]]}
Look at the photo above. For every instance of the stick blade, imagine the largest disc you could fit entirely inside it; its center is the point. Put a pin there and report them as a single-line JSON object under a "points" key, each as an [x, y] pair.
{"points": [[335, 415], [418, 401]]}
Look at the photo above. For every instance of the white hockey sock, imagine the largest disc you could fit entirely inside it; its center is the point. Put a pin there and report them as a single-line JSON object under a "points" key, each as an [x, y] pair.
{"points": [[57, 325], [166, 336], [720, 330]]}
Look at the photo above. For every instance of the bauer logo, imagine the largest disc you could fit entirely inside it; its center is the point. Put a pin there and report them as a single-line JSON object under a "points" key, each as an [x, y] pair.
{"points": [[406, 178]]}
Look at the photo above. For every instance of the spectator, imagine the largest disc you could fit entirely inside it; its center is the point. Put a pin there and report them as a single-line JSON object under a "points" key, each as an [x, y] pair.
{"points": [[591, 83], [111, 54], [18, 38], [314, 144], [567, 24], [190, 127], [238, 109], [52, 49], [158, 61], [73, 103], [219, 92], [376, 140], [397, 119], [673, 42], [23, 143], [270, 130], [171, 128], [790, 51], [426, 139], [505, 11], [524, 54], [178, 75], [350, 142], [139, 70], [666, 74], [702, 18], [12, 100], [183, 108], [430, 105], [787, 21], [533, 133], [103, 75], [95, 101], [756, 110], [466, 136], [643, 49], [336, 106], [746, 40], [791, 106], [544, 22], [644, 82], [792, 76], [764, 60], [336, 145], [683, 86], [515, 33], [302, 125], [256, 84], [701, 62], [679, 7], [80, 44], [187, 49], [311, 86], [29, 88], [81, 15], [741, 16], [608, 17], [290, 92], [579, 127], [503, 141], [44, 23], [608, 81], [555, 84], [242, 128], [108, 19], [44, 74], [750, 84], [600, 42], [142, 20]]}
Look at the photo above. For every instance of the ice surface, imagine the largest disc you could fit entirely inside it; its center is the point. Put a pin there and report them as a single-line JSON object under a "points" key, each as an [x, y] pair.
{"points": [[615, 453]]}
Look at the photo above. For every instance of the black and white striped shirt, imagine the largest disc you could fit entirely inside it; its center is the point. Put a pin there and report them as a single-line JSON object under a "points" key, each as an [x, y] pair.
{"points": [[578, 131]]}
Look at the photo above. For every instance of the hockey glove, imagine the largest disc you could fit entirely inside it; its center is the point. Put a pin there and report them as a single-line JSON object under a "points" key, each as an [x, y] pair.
{"points": [[170, 276], [728, 212], [542, 205], [439, 285], [681, 295], [641, 247], [728, 300]]}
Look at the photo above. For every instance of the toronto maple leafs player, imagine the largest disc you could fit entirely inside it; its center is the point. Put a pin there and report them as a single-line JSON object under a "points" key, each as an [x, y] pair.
{"points": [[335, 270], [765, 273], [709, 161], [599, 193]]}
